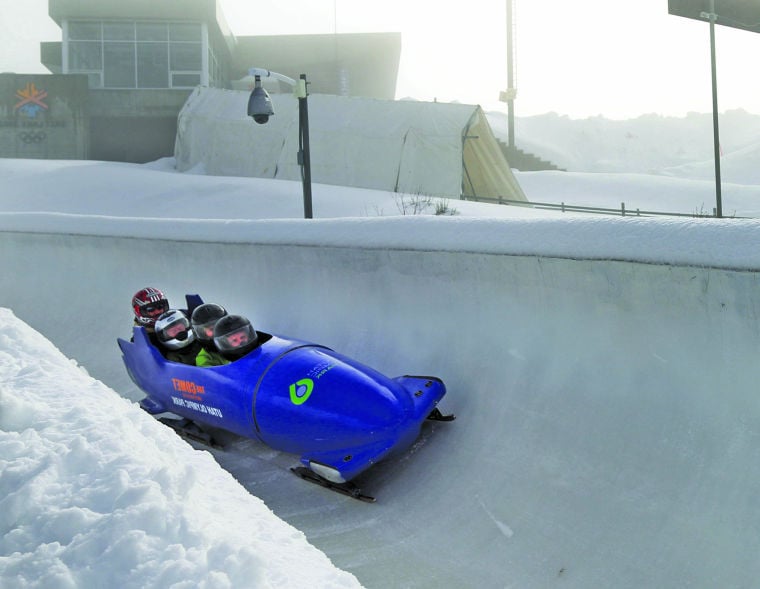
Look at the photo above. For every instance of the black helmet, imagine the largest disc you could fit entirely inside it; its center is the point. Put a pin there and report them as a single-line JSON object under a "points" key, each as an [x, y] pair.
{"points": [[203, 320], [234, 336]]}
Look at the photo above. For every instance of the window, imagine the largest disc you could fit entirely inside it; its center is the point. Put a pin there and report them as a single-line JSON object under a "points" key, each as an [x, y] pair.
{"points": [[185, 56], [185, 80], [152, 65], [85, 56], [132, 54], [85, 49], [216, 73], [85, 31], [118, 31], [185, 32], [119, 65], [152, 32]]}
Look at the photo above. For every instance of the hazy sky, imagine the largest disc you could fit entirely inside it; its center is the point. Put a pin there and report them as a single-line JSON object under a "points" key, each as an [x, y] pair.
{"points": [[581, 58]]}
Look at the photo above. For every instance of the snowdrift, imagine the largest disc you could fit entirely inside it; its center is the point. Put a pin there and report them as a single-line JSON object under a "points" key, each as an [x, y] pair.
{"points": [[434, 149]]}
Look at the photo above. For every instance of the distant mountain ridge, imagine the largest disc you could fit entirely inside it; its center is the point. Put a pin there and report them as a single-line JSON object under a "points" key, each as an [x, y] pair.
{"points": [[649, 144]]}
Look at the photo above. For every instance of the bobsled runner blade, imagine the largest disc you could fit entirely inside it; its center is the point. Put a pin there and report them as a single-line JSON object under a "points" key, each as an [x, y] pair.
{"points": [[348, 489], [436, 415], [191, 431]]}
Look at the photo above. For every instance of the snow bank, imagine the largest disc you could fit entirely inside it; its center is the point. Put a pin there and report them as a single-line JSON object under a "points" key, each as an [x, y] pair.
{"points": [[95, 493]]}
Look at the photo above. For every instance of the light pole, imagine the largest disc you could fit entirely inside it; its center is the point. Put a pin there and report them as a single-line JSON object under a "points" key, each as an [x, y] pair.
{"points": [[510, 94], [738, 14], [260, 109], [712, 17]]}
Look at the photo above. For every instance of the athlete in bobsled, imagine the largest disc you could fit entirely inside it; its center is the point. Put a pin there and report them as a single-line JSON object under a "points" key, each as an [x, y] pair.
{"points": [[338, 415]]}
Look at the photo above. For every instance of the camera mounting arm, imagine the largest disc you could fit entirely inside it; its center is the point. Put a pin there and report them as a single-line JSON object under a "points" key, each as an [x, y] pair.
{"points": [[299, 86]]}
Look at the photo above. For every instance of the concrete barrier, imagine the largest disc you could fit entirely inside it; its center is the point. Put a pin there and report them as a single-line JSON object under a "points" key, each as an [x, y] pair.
{"points": [[608, 416]]}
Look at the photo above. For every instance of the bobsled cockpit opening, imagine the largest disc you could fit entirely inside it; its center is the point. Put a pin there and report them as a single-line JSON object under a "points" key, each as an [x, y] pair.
{"points": [[261, 338]]}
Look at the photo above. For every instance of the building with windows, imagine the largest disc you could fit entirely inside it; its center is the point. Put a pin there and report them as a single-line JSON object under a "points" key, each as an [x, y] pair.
{"points": [[123, 70]]}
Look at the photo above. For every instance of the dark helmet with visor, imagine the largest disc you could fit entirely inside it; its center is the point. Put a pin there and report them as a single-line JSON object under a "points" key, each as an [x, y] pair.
{"points": [[204, 319], [234, 336]]}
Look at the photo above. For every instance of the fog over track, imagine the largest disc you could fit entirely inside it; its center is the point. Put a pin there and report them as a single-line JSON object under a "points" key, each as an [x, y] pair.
{"points": [[608, 414]]}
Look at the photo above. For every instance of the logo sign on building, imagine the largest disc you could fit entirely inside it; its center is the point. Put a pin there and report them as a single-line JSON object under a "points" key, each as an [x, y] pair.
{"points": [[31, 101], [44, 116]]}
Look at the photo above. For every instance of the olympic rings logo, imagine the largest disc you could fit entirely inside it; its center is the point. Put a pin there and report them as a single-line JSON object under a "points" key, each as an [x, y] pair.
{"points": [[33, 136]]}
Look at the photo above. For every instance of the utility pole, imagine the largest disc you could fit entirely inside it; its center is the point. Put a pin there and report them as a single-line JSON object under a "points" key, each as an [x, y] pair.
{"points": [[510, 93], [712, 16]]}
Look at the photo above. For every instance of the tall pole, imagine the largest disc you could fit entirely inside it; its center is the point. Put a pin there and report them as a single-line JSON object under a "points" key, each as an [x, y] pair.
{"points": [[260, 108], [304, 154], [510, 79], [716, 136]]}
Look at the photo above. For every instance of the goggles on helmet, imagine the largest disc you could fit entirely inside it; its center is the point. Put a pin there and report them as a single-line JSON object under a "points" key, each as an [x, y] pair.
{"points": [[176, 331], [154, 309]]}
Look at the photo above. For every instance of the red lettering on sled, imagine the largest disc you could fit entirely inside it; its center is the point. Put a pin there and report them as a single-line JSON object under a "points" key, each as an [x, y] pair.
{"points": [[188, 387]]}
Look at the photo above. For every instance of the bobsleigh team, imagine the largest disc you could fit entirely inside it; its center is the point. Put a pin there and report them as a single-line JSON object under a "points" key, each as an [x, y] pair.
{"points": [[209, 337]]}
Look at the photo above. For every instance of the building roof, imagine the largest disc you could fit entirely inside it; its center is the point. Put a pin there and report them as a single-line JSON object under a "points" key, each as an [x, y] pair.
{"points": [[354, 64], [208, 11], [359, 64]]}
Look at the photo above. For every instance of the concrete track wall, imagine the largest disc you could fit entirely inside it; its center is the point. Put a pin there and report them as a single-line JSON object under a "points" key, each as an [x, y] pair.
{"points": [[608, 417]]}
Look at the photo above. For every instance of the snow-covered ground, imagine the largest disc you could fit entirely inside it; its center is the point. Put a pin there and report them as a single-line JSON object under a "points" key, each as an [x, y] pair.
{"points": [[95, 495], [591, 446]]}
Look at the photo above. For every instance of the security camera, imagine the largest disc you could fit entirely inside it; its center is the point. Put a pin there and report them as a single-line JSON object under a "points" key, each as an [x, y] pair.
{"points": [[259, 103]]}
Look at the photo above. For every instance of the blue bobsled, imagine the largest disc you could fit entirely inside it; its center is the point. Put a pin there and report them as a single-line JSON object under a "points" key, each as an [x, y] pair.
{"points": [[339, 416]]}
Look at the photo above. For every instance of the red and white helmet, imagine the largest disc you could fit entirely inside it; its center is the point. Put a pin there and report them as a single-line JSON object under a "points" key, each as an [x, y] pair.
{"points": [[148, 304]]}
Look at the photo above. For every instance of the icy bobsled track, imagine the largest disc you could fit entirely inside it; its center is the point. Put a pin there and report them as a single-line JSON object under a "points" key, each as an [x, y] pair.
{"points": [[608, 415]]}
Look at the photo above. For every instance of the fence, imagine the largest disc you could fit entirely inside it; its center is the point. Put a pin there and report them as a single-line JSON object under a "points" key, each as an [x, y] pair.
{"points": [[564, 207]]}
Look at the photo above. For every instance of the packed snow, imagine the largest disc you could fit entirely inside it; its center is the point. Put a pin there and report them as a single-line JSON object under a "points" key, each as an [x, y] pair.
{"points": [[95, 493]]}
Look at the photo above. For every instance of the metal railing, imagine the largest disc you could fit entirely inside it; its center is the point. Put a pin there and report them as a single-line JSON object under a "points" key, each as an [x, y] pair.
{"points": [[565, 208]]}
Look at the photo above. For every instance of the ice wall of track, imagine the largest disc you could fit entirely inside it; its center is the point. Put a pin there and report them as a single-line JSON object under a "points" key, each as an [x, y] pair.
{"points": [[608, 412]]}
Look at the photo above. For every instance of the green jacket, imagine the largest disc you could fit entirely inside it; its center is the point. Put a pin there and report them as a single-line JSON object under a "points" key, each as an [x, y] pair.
{"points": [[209, 358]]}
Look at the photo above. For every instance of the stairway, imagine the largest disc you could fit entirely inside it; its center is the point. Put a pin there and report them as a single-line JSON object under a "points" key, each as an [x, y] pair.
{"points": [[525, 162]]}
